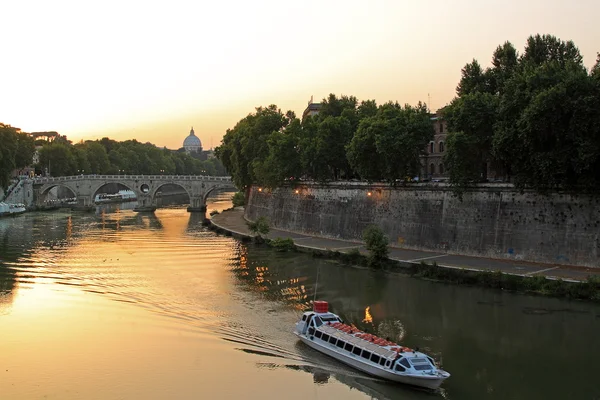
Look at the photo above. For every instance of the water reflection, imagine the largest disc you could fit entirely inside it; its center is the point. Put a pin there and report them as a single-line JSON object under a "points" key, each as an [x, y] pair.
{"points": [[159, 299], [492, 342]]}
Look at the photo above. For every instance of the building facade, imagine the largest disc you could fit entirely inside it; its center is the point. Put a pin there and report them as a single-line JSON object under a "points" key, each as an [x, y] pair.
{"points": [[432, 162]]}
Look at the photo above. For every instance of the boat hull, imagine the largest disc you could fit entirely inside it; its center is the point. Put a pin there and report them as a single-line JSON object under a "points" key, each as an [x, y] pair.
{"points": [[425, 381]]}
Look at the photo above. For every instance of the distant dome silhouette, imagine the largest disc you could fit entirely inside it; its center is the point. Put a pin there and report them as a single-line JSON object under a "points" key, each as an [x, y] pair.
{"points": [[192, 142]]}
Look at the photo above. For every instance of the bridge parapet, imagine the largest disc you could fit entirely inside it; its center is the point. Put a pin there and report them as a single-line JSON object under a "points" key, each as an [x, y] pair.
{"points": [[45, 179]]}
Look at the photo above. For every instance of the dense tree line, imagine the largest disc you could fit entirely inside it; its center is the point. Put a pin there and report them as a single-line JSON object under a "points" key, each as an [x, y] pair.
{"points": [[107, 156], [61, 157], [345, 140], [16, 151], [534, 118]]}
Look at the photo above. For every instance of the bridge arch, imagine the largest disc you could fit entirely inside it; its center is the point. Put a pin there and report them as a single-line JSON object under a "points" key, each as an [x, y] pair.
{"points": [[85, 187], [95, 190], [153, 191], [43, 196]]}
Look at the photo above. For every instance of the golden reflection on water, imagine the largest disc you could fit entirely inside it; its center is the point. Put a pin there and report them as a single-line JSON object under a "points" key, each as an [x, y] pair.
{"points": [[368, 318]]}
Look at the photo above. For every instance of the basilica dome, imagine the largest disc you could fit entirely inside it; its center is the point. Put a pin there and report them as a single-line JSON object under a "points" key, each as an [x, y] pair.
{"points": [[192, 142]]}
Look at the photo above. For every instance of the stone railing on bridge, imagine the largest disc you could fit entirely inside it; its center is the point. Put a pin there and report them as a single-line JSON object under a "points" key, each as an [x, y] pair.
{"points": [[46, 179]]}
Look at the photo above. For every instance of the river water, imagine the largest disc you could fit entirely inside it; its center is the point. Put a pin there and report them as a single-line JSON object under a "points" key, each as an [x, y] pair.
{"points": [[120, 305]]}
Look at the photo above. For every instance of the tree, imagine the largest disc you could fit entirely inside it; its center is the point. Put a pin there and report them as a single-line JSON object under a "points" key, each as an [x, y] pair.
{"points": [[549, 127], [25, 150], [473, 79], [504, 61], [238, 199], [247, 143], [362, 150], [541, 49], [8, 150], [471, 119], [595, 71], [57, 160], [283, 162], [97, 158], [376, 242]]}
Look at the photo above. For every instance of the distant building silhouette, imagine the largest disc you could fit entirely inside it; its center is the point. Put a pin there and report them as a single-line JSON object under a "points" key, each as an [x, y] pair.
{"points": [[192, 143], [312, 109]]}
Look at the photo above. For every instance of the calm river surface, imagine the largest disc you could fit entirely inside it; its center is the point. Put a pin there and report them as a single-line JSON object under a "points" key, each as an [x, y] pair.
{"points": [[120, 305]]}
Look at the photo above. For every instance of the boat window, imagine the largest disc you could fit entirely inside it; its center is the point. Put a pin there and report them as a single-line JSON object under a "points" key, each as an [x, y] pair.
{"points": [[422, 367], [332, 339], [348, 347], [382, 362], [318, 334], [375, 358], [431, 360], [400, 368], [340, 344], [387, 363], [357, 351], [318, 321], [304, 317], [311, 331], [420, 364], [325, 337], [366, 354], [405, 363]]}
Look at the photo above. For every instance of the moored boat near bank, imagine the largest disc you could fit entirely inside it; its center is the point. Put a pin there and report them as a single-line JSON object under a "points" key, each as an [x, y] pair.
{"points": [[11, 209], [324, 331]]}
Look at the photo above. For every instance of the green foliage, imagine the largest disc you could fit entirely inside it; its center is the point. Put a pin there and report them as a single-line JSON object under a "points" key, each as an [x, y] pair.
{"points": [[470, 119], [9, 140], [534, 118], [376, 243], [238, 199], [281, 244], [260, 227], [389, 145], [244, 147], [107, 156], [588, 290]]}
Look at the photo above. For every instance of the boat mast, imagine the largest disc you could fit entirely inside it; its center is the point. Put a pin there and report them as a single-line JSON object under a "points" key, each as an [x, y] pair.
{"points": [[316, 284]]}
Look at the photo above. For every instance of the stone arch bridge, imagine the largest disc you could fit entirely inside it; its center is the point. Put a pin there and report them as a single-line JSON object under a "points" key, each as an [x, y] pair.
{"points": [[146, 187]]}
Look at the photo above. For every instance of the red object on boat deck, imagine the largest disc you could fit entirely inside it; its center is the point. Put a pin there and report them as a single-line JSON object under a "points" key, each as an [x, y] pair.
{"points": [[320, 306]]}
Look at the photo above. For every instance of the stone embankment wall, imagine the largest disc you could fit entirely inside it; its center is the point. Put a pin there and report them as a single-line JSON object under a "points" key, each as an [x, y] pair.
{"points": [[493, 221]]}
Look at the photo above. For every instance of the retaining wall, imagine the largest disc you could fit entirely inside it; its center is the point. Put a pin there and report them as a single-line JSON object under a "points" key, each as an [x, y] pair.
{"points": [[493, 221]]}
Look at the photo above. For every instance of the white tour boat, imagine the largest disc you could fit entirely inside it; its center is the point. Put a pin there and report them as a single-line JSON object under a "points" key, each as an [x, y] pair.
{"points": [[119, 197], [324, 331]]}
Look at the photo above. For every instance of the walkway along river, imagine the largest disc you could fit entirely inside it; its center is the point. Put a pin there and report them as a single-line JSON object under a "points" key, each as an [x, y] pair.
{"points": [[124, 305]]}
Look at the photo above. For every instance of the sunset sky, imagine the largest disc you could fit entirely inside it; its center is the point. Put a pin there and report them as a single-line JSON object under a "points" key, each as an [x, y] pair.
{"points": [[150, 70]]}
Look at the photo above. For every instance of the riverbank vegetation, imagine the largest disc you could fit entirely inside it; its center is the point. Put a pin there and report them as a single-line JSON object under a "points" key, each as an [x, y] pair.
{"points": [[238, 199], [532, 118], [16, 152], [588, 290]]}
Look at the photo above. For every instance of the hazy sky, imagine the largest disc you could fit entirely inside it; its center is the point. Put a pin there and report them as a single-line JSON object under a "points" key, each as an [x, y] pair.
{"points": [[150, 70]]}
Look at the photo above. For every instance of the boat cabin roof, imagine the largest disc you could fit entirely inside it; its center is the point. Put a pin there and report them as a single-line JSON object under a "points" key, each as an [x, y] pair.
{"points": [[356, 341]]}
